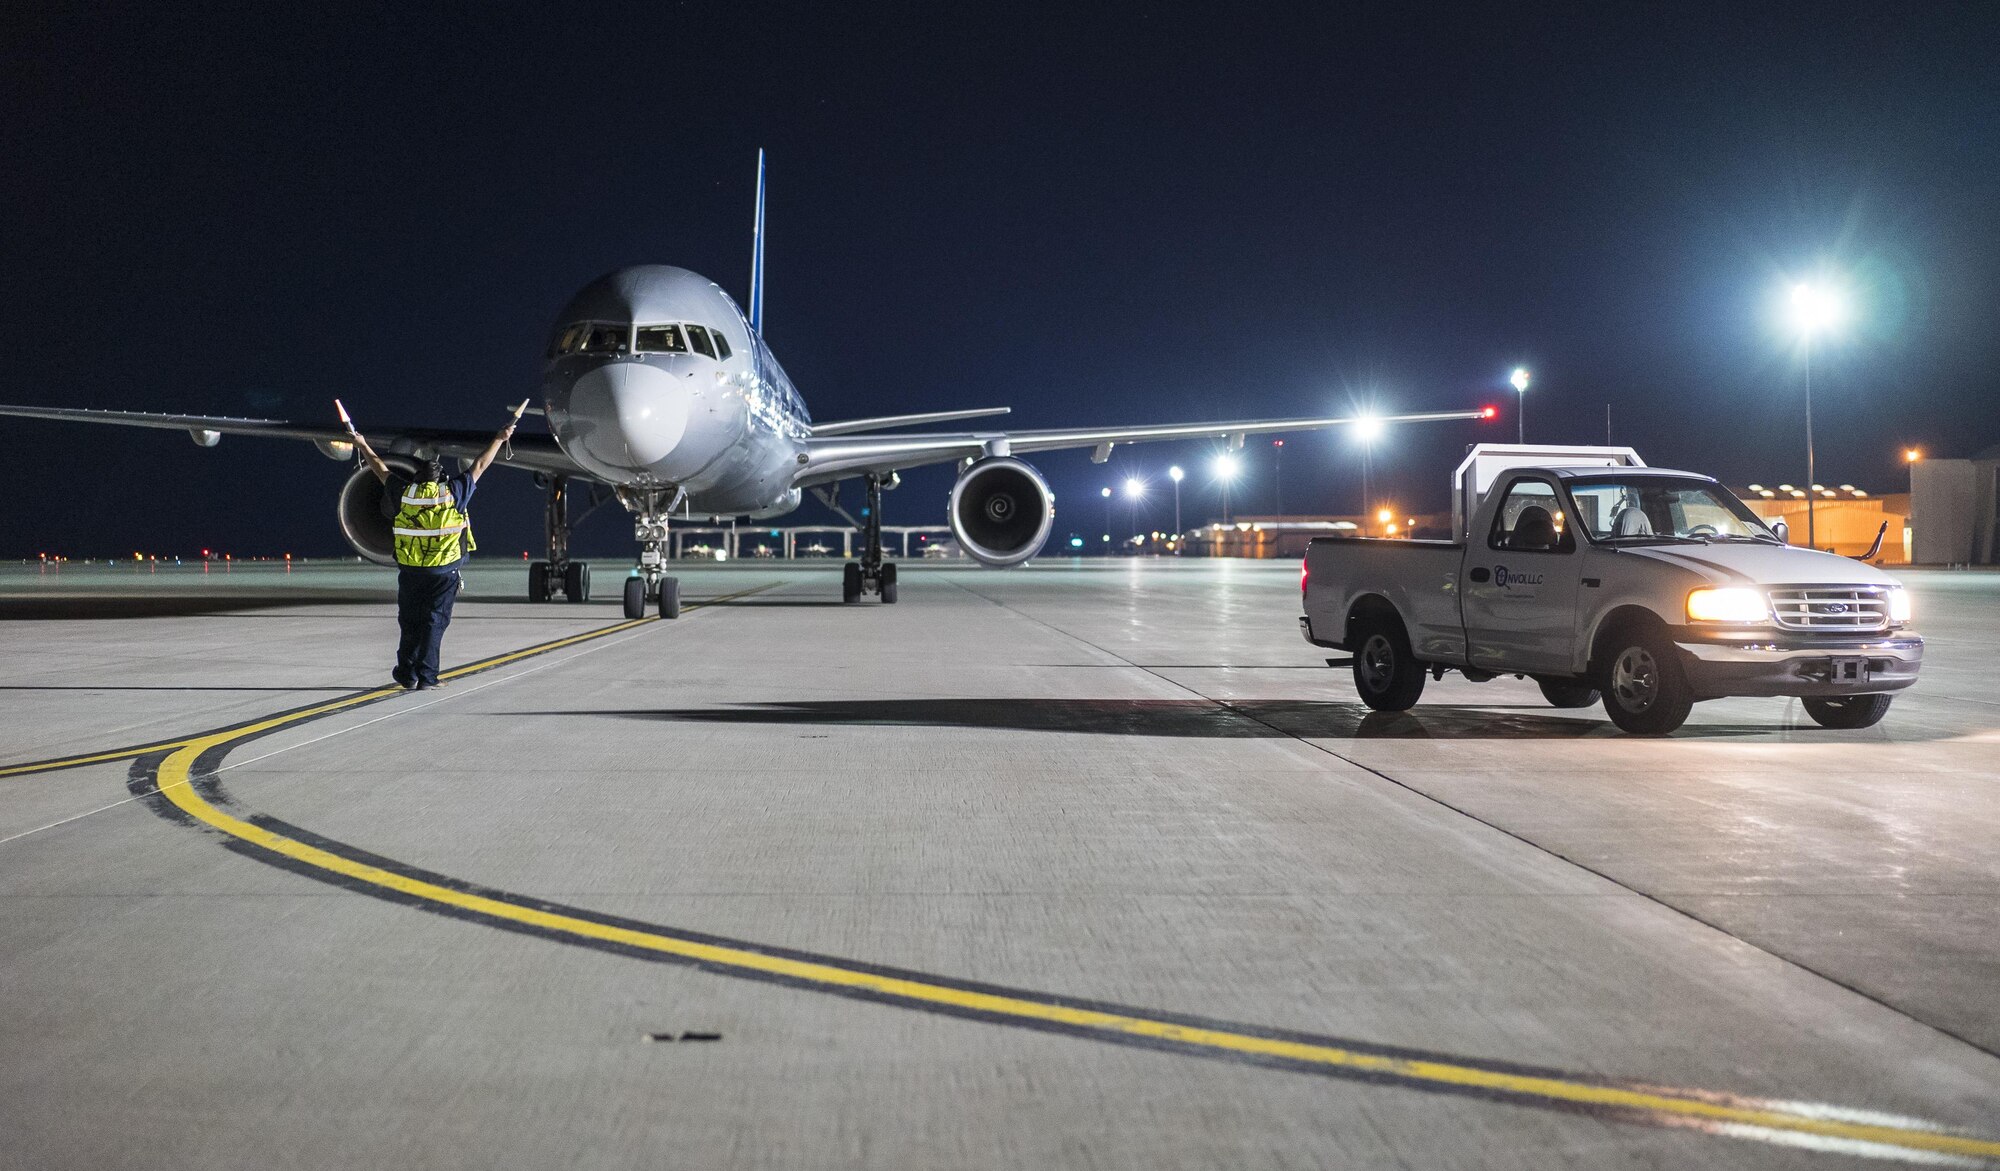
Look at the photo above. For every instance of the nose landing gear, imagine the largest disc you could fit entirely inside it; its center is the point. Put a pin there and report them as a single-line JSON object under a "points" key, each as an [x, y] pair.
{"points": [[650, 508]]}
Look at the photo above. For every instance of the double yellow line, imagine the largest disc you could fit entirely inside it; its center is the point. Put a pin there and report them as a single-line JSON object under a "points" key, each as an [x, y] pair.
{"points": [[190, 760]]}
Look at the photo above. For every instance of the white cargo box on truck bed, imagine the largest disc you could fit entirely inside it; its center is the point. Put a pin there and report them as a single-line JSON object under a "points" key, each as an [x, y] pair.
{"points": [[1485, 462]]}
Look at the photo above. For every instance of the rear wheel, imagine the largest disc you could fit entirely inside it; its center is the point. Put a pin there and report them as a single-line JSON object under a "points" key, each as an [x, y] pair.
{"points": [[850, 583], [1386, 675], [1848, 711], [670, 597], [1645, 691], [538, 582], [576, 581], [1567, 692], [635, 597], [889, 585]]}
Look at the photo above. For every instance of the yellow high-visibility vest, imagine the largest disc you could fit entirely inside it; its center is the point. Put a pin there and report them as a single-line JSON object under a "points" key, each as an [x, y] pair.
{"points": [[428, 527]]}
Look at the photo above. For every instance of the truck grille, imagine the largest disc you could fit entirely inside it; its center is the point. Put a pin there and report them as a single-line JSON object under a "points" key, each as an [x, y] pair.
{"points": [[1846, 608]]}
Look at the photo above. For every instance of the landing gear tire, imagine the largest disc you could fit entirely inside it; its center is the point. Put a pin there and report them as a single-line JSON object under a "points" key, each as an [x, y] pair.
{"points": [[635, 597], [539, 589], [670, 597], [1848, 711], [576, 582], [1387, 676], [850, 583], [1645, 691], [1568, 692], [889, 585]]}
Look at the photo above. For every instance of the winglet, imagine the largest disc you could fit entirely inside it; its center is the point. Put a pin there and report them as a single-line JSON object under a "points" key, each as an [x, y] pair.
{"points": [[757, 254]]}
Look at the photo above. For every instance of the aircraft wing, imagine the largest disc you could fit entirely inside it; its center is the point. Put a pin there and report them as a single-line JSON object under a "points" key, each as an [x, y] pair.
{"points": [[837, 457], [535, 453]]}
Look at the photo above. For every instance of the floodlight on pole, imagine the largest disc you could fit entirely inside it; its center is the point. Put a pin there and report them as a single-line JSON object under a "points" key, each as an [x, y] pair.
{"points": [[1813, 309], [1519, 381], [1367, 429], [1225, 470], [1134, 487]]}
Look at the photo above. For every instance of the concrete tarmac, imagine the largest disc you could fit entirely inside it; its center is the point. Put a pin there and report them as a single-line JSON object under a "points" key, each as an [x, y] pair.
{"points": [[1092, 866]]}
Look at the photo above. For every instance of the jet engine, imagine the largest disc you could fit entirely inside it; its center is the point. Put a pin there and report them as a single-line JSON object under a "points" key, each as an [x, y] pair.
{"points": [[361, 519], [1001, 510]]}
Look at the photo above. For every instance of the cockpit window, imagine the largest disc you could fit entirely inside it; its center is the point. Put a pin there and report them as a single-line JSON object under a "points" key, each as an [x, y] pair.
{"points": [[661, 339], [698, 337], [605, 339], [568, 341], [721, 345]]}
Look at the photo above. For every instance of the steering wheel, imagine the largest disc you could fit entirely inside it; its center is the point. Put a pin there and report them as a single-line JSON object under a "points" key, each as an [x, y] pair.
{"points": [[1702, 531]]}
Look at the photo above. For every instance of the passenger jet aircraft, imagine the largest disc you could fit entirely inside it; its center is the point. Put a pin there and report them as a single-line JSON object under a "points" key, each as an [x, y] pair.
{"points": [[660, 392]]}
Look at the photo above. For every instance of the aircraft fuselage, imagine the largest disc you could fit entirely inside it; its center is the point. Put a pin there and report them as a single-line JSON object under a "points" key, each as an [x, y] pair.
{"points": [[655, 380]]}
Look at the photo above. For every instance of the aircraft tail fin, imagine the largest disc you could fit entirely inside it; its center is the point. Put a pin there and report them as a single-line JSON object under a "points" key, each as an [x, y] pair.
{"points": [[757, 254]]}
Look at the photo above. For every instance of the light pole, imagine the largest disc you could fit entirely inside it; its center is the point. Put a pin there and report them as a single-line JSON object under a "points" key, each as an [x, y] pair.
{"points": [[1278, 475], [1135, 488], [1519, 380], [1225, 470], [1175, 473], [1107, 519], [1814, 309], [1367, 429]]}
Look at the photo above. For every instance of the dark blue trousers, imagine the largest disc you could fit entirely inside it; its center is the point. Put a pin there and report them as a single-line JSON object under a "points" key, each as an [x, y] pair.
{"points": [[423, 610]]}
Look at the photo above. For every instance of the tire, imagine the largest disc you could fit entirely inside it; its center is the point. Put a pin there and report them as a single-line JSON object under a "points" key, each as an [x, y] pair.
{"points": [[1848, 711], [1645, 690], [1387, 676], [1568, 692], [576, 582], [538, 581], [888, 585], [635, 597], [850, 583], [670, 597]]}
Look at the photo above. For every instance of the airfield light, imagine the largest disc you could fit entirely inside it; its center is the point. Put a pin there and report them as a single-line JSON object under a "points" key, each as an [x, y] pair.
{"points": [[1105, 492], [1382, 515], [1225, 467], [1912, 455], [1392, 530], [1519, 381], [1134, 487], [1076, 542], [1815, 309], [1368, 428], [1175, 473]]}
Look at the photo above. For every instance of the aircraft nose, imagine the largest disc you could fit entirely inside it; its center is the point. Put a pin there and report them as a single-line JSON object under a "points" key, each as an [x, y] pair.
{"points": [[634, 415]]}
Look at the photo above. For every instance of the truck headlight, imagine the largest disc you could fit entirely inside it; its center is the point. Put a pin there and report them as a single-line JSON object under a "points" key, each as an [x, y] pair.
{"points": [[1733, 604], [1899, 606]]}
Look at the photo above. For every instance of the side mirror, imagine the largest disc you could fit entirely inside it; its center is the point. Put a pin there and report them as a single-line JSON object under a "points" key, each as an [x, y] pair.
{"points": [[1783, 531]]}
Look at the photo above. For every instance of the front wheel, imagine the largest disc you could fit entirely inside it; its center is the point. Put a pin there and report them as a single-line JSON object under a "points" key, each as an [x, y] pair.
{"points": [[1848, 711], [1646, 692], [670, 597], [635, 597], [850, 583], [539, 586], [889, 584], [1567, 692], [576, 581], [1386, 674]]}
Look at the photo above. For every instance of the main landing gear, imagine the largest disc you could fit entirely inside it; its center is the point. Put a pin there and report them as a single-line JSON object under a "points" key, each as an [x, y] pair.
{"points": [[545, 578], [650, 508], [870, 575]]}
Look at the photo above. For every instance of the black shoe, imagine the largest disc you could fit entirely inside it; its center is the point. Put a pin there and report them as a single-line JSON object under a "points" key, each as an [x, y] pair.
{"points": [[405, 684], [433, 685]]}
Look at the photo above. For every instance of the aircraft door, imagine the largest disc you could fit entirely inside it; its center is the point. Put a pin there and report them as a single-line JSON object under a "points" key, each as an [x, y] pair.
{"points": [[1520, 583]]}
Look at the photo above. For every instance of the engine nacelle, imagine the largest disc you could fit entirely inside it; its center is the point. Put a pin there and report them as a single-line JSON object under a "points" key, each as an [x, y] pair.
{"points": [[1001, 510], [361, 519]]}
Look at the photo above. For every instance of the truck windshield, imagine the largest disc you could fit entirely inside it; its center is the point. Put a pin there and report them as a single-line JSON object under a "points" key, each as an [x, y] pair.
{"points": [[1640, 508]]}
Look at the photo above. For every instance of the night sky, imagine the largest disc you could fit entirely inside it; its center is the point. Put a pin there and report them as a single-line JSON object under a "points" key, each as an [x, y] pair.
{"points": [[1094, 217]]}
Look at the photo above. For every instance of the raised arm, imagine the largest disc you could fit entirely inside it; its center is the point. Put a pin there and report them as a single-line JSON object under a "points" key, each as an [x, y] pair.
{"points": [[492, 451], [369, 457]]}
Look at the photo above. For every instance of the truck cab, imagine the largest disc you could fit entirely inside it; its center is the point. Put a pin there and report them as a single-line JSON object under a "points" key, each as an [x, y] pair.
{"points": [[1596, 575]]}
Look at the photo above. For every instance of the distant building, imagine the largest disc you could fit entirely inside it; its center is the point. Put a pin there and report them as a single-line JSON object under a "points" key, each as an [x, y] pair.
{"points": [[1845, 518], [1288, 536], [1954, 520]]}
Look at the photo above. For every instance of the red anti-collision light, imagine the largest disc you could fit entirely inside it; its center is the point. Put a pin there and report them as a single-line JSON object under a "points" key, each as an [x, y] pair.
{"points": [[1490, 413]]}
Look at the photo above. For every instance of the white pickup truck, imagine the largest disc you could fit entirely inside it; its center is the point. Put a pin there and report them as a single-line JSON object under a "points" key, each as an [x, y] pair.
{"points": [[1589, 572]]}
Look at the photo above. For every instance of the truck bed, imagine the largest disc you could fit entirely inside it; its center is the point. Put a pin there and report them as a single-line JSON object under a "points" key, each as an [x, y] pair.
{"points": [[1418, 578]]}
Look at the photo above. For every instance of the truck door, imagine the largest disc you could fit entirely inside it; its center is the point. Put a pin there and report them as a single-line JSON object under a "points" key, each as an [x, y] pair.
{"points": [[1519, 582]]}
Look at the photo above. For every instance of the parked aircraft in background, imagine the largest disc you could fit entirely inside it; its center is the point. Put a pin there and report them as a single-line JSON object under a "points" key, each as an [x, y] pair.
{"points": [[660, 392]]}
